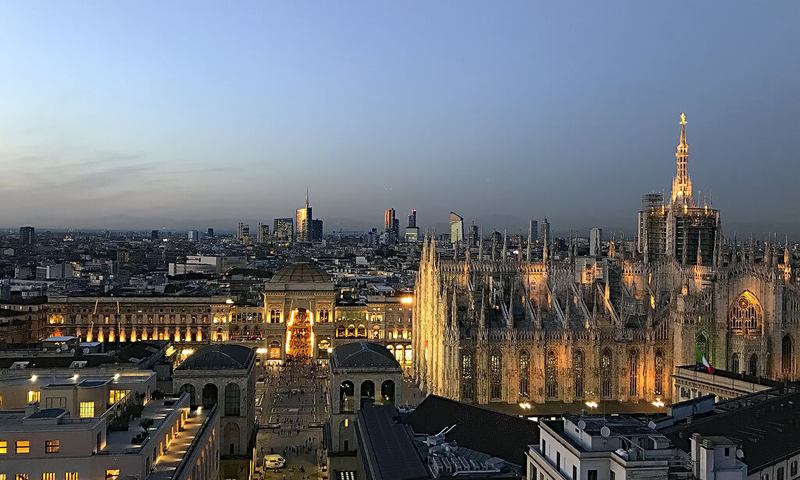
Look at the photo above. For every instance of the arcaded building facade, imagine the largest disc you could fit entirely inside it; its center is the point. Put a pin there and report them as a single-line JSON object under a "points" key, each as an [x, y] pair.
{"points": [[491, 328]]}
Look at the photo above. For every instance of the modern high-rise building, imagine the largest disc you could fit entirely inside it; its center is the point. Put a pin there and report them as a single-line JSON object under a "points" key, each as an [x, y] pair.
{"points": [[193, 235], [283, 230], [534, 230], [243, 233], [544, 231], [316, 230], [210, 232], [154, 234], [391, 226], [388, 219], [303, 223], [685, 229], [412, 230], [27, 236], [595, 242], [262, 234], [474, 235], [456, 228]]}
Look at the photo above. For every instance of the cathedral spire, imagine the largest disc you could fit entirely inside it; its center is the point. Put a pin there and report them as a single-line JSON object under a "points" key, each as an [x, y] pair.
{"points": [[682, 184], [530, 237]]}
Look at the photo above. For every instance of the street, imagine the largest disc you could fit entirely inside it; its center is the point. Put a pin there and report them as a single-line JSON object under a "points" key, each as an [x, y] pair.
{"points": [[293, 407]]}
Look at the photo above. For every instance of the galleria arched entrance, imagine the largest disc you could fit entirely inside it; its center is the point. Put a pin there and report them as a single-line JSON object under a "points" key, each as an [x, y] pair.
{"points": [[299, 335]]}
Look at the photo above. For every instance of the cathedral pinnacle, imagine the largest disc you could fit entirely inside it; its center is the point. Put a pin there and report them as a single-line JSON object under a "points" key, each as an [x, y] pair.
{"points": [[682, 184]]}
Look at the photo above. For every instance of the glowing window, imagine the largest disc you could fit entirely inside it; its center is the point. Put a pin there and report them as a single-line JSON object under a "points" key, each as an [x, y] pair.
{"points": [[52, 446], [70, 476], [112, 474], [115, 396], [87, 409], [33, 396], [49, 476], [3, 448], [21, 476], [23, 446]]}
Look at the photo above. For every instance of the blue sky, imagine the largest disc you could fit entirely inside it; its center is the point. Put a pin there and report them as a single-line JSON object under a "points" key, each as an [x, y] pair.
{"points": [[133, 113]]}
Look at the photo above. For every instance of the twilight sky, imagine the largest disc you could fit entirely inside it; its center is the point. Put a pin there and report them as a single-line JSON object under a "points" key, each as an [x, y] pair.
{"points": [[189, 114]]}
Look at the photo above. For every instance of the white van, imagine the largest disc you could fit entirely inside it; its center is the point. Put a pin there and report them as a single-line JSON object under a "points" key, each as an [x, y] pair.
{"points": [[274, 460]]}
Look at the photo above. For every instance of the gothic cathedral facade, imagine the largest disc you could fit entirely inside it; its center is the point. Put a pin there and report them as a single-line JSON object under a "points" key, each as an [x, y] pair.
{"points": [[494, 327]]}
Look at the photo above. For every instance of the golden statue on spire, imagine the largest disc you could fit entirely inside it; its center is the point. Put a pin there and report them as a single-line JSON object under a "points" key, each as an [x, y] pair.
{"points": [[683, 119]]}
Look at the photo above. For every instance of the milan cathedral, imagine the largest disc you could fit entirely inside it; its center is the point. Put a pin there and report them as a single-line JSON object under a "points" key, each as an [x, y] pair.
{"points": [[495, 327]]}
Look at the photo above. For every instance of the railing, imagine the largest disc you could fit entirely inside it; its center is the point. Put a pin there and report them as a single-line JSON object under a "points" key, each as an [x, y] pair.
{"points": [[192, 446]]}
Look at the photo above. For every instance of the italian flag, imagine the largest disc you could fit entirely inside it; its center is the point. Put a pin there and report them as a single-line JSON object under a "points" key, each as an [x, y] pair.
{"points": [[702, 359]]}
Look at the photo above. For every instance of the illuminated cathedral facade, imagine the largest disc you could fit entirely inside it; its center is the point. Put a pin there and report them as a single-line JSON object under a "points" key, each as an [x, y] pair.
{"points": [[494, 327]]}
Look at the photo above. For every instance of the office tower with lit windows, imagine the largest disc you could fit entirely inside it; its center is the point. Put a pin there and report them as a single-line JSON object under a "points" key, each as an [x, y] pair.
{"points": [[243, 233], [262, 235], [283, 230]]}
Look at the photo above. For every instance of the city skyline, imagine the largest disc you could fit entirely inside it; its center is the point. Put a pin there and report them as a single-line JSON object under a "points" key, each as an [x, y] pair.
{"points": [[546, 117]]}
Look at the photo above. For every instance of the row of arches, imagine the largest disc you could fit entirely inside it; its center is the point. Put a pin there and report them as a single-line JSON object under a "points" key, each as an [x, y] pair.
{"points": [[551, 374], [366, 393], [210, 397], [133, 335]]}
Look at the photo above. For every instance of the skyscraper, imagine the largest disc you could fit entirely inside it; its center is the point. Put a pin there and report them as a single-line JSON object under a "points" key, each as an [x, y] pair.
{"points": [[316, 230], [210, 232], [544, 231], [391, 226], [243, 233], [412, 231], [595, 242], [193, 235], [304, 222], [456, 228], [534, 230], [283, 230], [474, 235], [27, 236], [262, 234], [154, 234]]}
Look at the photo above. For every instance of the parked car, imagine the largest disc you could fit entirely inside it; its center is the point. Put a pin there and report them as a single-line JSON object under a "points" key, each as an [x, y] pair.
{"points": [[273, 460]]}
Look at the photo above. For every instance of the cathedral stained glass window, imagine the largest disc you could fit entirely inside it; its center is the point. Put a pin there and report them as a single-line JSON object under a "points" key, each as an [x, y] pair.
{"points": [[496, 378], [467, 391], [633, 367], [787, 362], [578, 362], [551, 375], [658, 380], [746, 315], [605, 374], [524, 374], [735, 363]]}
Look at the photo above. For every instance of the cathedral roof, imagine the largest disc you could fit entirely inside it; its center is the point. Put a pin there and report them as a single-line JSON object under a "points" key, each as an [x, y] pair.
{"points": [[304, 272]]}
